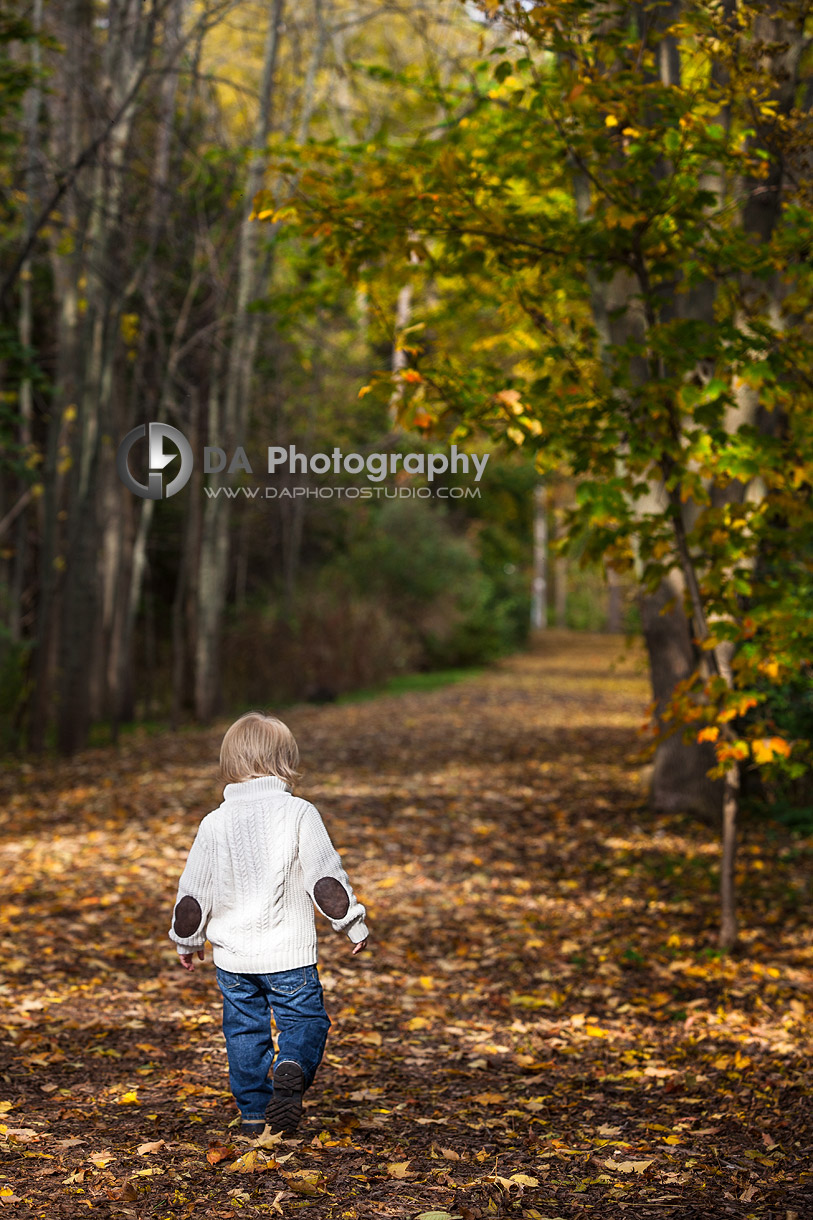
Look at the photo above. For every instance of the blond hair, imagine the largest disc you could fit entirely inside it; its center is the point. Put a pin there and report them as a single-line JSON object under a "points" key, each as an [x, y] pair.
{"points": [[258, 745]]}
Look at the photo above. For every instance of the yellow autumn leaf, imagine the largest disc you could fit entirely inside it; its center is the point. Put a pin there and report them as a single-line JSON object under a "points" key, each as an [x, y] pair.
{"points": [[710, 733], [398, 1169], [593, 1031], [767, 748], [128, 1099], [523, 1179], [252, 1161], [304, 1181], [488, 1099], [629, 1166], [5, 1106], [611, 121]]}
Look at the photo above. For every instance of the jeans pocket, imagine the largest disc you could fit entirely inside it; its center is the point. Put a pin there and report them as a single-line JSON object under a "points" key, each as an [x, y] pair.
{"points": [[228, 981], [288, 982]]}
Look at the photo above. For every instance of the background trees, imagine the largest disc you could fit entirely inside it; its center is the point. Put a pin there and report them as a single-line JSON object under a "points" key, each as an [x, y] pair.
{"points": [[621, 191], [136, 287], [578, 232]]}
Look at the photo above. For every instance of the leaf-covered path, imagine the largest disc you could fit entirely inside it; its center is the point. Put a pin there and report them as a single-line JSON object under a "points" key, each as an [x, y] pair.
{"points": [[540, 1028]]}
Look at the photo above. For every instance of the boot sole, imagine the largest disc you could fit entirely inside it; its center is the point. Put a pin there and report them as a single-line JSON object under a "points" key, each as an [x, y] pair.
{"points": [[284, 1110]]}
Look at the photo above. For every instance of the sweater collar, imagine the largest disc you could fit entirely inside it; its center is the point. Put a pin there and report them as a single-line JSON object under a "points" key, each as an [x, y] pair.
{"points": [[252, 789]]}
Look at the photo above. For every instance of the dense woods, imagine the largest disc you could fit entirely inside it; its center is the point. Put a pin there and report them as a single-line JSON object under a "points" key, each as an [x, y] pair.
{"points": [[138, 288]]}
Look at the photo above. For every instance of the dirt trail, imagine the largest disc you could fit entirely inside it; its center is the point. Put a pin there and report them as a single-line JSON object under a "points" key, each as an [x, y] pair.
{"points": [[541, 1026]]}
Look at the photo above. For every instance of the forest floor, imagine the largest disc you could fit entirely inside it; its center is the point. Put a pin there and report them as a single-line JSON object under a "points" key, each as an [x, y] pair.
{"points": [[541, 1026]]}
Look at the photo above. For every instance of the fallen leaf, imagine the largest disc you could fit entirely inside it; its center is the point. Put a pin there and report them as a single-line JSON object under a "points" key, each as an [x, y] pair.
{"points": [[100, 1159], [304, 1181], [219, 1152], [252, 1161], [398, 1169], [145, 1149], [629, 1166]]}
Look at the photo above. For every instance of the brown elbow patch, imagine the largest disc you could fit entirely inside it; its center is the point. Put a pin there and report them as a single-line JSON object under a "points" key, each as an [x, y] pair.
{"points": [[187, 916], [331, 897]]}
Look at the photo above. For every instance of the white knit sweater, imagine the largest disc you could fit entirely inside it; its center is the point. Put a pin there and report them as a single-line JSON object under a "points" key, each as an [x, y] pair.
{"points": [[257, 865]]}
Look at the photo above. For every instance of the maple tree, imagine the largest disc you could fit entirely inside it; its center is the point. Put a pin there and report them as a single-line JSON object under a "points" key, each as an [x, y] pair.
{"points": [[542, 1021], [618, 202]]}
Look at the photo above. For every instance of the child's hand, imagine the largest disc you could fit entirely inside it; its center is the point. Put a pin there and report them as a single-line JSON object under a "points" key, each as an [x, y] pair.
{"points": [[358, 948], [187, 960]]}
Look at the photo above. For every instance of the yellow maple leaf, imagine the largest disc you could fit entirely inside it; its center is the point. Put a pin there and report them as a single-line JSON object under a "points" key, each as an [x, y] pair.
{"points": [[710, 733]]}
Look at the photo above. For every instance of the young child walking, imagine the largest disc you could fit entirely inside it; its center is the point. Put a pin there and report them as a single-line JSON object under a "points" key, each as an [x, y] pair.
{"points": [[258, 864]]}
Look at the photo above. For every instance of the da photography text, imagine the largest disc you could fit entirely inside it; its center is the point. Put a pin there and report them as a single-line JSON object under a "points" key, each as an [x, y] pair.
{"points": [[163, 482], [376, 466]]}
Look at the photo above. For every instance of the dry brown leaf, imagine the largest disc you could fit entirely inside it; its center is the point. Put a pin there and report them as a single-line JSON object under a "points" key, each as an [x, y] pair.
{"points": [[219, 1152], [146, 1149]]}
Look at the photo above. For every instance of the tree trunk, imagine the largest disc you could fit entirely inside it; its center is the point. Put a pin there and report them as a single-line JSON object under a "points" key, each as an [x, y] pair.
{"points": [[539, 587], [728, 918], [615, 621], [214, 551], [680, 780]]}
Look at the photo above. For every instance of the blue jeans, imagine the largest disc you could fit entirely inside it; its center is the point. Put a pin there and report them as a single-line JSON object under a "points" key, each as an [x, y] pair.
{"points": [[295, 998]]}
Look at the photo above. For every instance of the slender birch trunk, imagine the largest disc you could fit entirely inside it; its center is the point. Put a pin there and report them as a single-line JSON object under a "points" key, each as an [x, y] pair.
{"points": [[539, 586]]}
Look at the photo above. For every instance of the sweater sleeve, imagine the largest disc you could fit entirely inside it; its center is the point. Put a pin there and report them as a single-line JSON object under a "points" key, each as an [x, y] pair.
{"points": [[325, 879], [193, 906]]}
